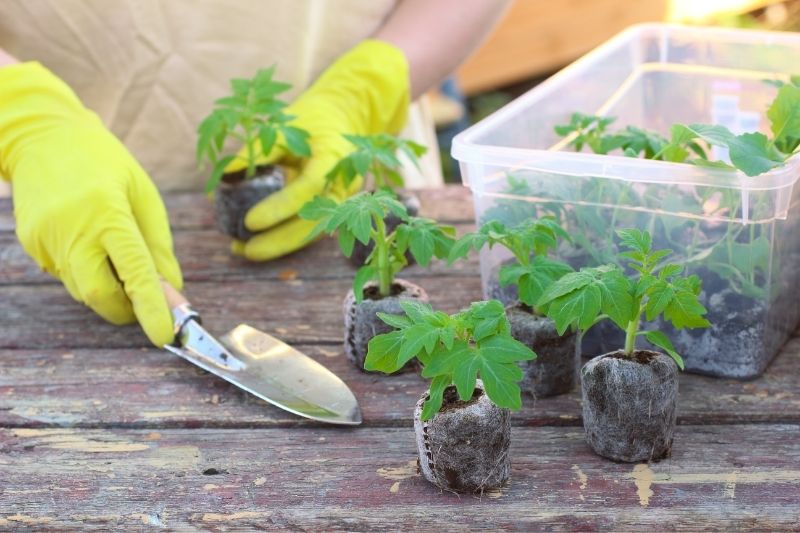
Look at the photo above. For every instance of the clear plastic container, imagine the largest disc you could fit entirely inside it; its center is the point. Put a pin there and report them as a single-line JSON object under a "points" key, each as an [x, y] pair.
{"points": [[740, 234]]}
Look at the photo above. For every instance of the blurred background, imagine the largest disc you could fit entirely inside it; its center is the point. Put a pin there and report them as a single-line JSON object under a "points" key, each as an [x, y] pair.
{"points": [[536, 39]]}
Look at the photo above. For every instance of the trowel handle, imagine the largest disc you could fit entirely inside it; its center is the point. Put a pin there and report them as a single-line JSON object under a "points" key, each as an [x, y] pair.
{"points": [[181, 308], [174, 298]]}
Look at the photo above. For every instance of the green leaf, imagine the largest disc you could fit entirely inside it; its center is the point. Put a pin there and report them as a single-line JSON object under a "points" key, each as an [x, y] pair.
{"points": [[636, 239], [579, 307], [396, 321], [659, 296], [296, 141], [346, 242], [503, 392], [616, 298], [784, 114], [685, 311], [217, 173], [383, 351], [567, 284], [465, 376], [418, 337], [505, 349], [363, 275], [435, 398], [510, 274], [417, 312], [662, 341], [267, 135], [445, 361], [754, 154]]}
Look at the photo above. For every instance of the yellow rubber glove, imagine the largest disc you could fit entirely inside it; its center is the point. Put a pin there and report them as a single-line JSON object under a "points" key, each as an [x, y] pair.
{"points": [[365, 91], [85, 210]]}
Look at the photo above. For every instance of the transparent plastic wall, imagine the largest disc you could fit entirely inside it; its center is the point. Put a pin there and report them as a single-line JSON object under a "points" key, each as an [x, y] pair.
{"points": [[738, 234]]}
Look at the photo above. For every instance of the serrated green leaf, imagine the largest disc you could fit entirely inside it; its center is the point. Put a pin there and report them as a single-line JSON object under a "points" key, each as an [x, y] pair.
{"points": [[396, 321], [505, 349], [363, 275], [346, 242], [579, 307], [616, 298], [416, 338], [659, 295], [567, 284], [685, 311], [383, 351], [417, 312], [504, 393], [435, 397], [636, 239], [784, 114], [465, 376], [445, 362], [662, 341]]}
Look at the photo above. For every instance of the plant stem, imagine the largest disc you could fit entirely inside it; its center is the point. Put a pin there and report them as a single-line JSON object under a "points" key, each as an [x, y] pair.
{"points": [[631, 331], [382, 254]]}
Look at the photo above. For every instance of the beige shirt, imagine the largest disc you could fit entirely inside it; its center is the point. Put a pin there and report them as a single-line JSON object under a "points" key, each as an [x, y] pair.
{"points": [[152, 68]]}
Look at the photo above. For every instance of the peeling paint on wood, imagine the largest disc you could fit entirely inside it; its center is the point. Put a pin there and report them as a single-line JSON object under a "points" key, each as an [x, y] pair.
{"points": [[142, 439]]}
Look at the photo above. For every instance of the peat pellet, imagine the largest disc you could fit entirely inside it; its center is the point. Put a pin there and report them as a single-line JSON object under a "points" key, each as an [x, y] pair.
{"points": [[555, 369], [361, 322], [235, 196], [629, 405], [465, 446], [362, 251]]}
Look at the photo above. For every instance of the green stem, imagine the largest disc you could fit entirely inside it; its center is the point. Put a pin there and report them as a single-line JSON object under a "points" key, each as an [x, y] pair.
{"points": [[632, 330], [382, 254]]}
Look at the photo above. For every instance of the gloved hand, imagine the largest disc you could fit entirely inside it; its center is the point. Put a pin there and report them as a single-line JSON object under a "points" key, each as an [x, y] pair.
{"points": [[365, 91], [85, 210]]}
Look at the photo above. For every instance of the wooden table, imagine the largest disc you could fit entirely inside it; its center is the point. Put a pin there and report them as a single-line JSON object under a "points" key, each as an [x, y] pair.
{"points": [[98, 429]]}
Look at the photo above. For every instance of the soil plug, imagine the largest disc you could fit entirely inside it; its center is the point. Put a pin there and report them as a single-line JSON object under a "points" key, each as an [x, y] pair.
{"points": [[375, 286], [254, 117], [462, 423], [526, 276], [630, 395]]}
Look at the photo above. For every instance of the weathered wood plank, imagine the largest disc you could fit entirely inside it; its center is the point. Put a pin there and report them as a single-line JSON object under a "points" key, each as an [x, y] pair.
{"points": [[719, 478], [45, 316], [204, 256], [151, 388], [192, 210]]}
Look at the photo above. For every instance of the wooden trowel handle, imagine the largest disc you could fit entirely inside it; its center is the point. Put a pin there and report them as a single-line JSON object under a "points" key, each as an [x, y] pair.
{"points": [[174, 298]]}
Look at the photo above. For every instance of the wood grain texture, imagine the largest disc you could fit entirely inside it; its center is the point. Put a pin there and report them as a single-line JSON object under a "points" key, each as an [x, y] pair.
{"points": [[204, 256], [141, 388], [190, 210], [365, 479], [99, 430], [45, 316]]}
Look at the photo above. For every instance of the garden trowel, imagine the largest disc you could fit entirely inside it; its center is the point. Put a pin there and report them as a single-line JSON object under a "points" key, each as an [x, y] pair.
{"points": [[264, 366]]}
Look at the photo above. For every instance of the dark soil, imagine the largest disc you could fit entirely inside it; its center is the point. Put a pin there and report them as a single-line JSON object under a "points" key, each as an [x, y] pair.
{"points": [[465, 448], [235, 196], [362, 251], [630, 407], [745, 333], [361, 322], [555, 369]]}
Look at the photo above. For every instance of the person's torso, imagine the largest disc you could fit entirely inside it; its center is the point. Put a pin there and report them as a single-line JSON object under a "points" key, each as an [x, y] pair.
{"points": [[152, 68]]}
